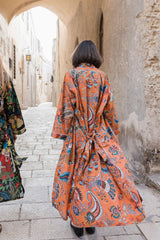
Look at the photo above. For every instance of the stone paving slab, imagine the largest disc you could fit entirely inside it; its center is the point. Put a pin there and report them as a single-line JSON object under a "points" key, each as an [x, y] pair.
{"points": [[9, 212], [32, 165], [55, 151], [150, 230], [38, 211], [51, 157], [44, 139], [18, 202], [69, 239], [26, 174], [53, 140], [85, 237], [43, 173], [33, 182], [15, 230], [44, 146], [25, 153], [33, 158], [132, 229], [53, 229], [109, 231], [93, 237], [40, 152], [50, 164], [50, 192], [59, 142], [37, 194], [125, 237], [151, 203], [29, 143], [25, 147]]}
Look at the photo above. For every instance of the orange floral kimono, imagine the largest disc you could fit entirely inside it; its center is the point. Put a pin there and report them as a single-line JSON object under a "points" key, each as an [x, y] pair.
{"points": [[92, 184]]}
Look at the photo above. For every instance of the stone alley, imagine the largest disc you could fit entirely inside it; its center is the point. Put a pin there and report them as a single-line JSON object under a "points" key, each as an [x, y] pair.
{"points": [[34, 218]]}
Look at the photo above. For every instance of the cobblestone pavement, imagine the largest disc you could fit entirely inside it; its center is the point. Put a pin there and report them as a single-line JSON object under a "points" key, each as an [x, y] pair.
{"points": [[34, 217]]}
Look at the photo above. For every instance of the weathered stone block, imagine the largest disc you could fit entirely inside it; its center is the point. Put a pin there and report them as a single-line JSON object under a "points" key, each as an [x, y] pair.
{"points": [[40, 152], [50, 165], [31, 166], [38, 211], [15, 230], [26, 174], [9, 212], [33, 158], [56, 229], [150, 230], [126, 237], [55, 151], [42, 173], [36, 194], [25, 153], [49, 157], [42, 147], [32, 182], [109, 231], [132, 229]]}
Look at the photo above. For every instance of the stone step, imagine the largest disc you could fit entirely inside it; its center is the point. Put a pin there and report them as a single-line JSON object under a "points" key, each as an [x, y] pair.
{"points": [[153, 181]]}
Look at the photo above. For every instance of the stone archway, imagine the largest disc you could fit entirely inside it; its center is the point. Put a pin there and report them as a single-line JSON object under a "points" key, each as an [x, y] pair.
{"points": [[62, 8]]}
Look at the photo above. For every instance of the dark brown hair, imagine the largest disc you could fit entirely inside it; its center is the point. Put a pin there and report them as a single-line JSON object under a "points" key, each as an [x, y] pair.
{"points": [[86, 52]]}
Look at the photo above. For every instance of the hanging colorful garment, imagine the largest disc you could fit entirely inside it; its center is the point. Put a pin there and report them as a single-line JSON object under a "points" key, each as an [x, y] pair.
{"points": [[92, 184], [11, 124]]}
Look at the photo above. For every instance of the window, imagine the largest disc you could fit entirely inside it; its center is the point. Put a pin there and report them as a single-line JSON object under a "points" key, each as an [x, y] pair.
{"points": [[27, 21], [10, 63], [76, 42], [14, 61], [101, 35]]}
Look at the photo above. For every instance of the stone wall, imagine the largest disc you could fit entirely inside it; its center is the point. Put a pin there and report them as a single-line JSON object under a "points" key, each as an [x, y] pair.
{"points": [[148, 27], [123, 62], [5, 49], [131, 59]]}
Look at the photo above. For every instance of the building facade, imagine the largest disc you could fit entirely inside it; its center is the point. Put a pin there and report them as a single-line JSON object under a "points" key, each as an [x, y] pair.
{"points": [[54, 69], [23, 55]]}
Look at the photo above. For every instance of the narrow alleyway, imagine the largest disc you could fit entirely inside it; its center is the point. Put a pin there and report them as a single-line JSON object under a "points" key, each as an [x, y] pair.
{"points": [[34, 218]]}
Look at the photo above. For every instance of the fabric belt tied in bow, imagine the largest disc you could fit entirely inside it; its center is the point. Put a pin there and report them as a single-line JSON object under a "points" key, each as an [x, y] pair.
{"points": [[86, 153]]}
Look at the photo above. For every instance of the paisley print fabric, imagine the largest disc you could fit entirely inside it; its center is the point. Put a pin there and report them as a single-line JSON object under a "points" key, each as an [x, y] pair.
{"points": [[92, 184], [11, 124]]}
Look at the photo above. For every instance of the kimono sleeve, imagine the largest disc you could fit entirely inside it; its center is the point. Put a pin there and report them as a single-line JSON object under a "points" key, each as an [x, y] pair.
{"points": [[65, 111], [13, 111], [110, 114]]}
